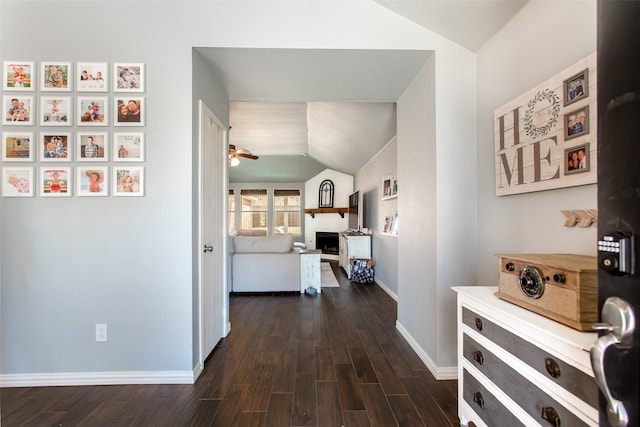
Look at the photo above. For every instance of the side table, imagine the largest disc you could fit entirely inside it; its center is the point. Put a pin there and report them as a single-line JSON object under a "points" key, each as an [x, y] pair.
{"points": [[310, 269]]}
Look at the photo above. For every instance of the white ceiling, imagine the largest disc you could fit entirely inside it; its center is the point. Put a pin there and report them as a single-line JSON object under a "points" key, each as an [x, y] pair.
{"points": [[303, 110]]}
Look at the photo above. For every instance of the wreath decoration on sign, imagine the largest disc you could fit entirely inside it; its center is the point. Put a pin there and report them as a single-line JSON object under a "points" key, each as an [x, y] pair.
{"points": [[530, 128]]}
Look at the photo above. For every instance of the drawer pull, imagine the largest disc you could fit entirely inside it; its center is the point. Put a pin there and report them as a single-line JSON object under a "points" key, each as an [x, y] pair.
{"points": [[477, 397], [478, 357], [549, 414], [478, 323], [552, 367]]}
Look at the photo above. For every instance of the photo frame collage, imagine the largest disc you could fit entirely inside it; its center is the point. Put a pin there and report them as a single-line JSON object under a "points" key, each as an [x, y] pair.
{"points": [[58, 114], [576, 123]]}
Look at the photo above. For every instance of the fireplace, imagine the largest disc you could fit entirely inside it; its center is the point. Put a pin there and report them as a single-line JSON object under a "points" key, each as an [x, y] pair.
{"points": [[327, 242]]}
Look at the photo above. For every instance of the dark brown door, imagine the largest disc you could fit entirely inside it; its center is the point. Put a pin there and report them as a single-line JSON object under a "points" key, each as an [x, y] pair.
{"points": [[616, 356]]}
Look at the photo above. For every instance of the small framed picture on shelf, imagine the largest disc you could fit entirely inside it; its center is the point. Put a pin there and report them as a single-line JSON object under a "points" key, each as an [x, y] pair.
{"points": [[17, 110], [128, 111], [92, 77], [387, 182], [55, 147], [128, 77], [128, 181], [92, 146], [55, 111], [17, 146], [55, 182], [387, 224], [128, 147], [92, 181], [394, 187], [393, 228], [18, 75], [17, 182], [55, 76], [92, 111]]}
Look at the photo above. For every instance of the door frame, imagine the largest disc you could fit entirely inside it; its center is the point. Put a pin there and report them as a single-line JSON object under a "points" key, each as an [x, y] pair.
{"points": [[223, 244]]}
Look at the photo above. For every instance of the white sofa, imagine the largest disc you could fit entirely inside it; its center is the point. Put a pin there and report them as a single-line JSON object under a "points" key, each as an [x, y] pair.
{"points": [[264, 264]]}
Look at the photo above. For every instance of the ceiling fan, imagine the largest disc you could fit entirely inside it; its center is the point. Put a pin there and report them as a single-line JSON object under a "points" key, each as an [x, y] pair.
{"points": [[240, 152]]}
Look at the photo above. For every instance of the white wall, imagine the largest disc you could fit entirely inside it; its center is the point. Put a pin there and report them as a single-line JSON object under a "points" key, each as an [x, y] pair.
{"points": [[528, 53]]}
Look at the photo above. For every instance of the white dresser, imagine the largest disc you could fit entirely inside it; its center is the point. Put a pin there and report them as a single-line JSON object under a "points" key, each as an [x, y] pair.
{"points": [[353, 246], [517, 368]]}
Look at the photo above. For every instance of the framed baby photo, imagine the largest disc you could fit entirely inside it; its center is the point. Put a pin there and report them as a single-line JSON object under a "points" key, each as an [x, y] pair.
{"points": [[18, 75], [17, 110], [576, 123], [92, 77], [17, 182], [17, 146], [56, 76], [55, 111], [92, 181], [128, 147], [577, 159], [55, 147], [128, 181], [92, 111], [128, 111], [576, 87], [128, 77], [92, 147], [55, 182]]}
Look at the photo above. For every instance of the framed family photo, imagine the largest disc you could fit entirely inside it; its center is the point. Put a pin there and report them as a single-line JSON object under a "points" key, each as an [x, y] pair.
{"points": [[55, 76], [128, 77], [576, 123], [128, 111], [55, 182], [128, 147], [92, 77], [576, 87], [18, 75], [92, 147], [128, 181], [55, 111], [577, 159], [55, 147], [92, 181], [92, 111], [17, 110], [17, 146], [17, 182]]}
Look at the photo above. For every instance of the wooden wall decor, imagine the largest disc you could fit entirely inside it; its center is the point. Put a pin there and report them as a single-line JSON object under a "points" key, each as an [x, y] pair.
{"points": [[547, 138], [581, 217]]}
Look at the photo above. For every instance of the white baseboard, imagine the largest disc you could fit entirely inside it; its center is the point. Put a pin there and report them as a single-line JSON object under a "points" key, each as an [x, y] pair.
{"points": [[98, 378], [440, 373], [387, 290]]}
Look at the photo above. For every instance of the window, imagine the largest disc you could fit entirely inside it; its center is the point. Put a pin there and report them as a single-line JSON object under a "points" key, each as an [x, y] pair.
{"points": [[254, 210], [286, 205], [232, 210]]}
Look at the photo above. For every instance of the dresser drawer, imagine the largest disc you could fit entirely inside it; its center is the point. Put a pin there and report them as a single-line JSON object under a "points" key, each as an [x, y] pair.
{"points": [[485, 404], [568, 377], [528, 396]]}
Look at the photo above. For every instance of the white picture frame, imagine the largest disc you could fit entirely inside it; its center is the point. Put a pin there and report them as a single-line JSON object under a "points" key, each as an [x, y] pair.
{"points": [[17, 181], [128, 77], [55, 181], [92, 181], [92, 77], [55, 146], [128, 111], [128, 181], [17, 146], [18, 76], [128, 147], [92, 111], [56, 76], [101, 151], [18, 110], [55, 111]]}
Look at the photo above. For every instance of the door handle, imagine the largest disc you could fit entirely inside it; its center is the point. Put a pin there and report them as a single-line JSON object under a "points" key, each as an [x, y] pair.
{"points": [[618, 321], [208, 248]]}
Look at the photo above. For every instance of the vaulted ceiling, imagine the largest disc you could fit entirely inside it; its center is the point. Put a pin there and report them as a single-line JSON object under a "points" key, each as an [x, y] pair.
{"points": [[305, 110]]}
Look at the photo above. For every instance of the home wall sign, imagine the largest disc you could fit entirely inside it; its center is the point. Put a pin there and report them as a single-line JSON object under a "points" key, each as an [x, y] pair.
{"points": [[547, 138]]}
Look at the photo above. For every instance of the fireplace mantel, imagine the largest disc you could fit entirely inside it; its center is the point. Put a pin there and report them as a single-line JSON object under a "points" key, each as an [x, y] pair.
{"points": [[339, 211]]}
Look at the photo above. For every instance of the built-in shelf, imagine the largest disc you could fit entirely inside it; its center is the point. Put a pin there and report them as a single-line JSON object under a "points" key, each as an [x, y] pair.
{"points": [[339, 211], [388, 234], [390, 197]]}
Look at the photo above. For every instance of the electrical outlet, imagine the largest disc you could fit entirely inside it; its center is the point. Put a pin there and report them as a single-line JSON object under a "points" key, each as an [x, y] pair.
{"points": [[101, 332]]}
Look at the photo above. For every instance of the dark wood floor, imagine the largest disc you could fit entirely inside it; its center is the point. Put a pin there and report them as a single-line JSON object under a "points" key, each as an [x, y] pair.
{"points": [[331, 360]]}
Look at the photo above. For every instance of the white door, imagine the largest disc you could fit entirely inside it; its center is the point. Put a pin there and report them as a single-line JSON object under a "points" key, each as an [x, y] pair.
{"points": [[213, 201]]}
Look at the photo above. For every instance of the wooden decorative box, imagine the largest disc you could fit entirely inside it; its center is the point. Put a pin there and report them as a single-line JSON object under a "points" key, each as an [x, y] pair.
{"points": [[562, 287]]}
